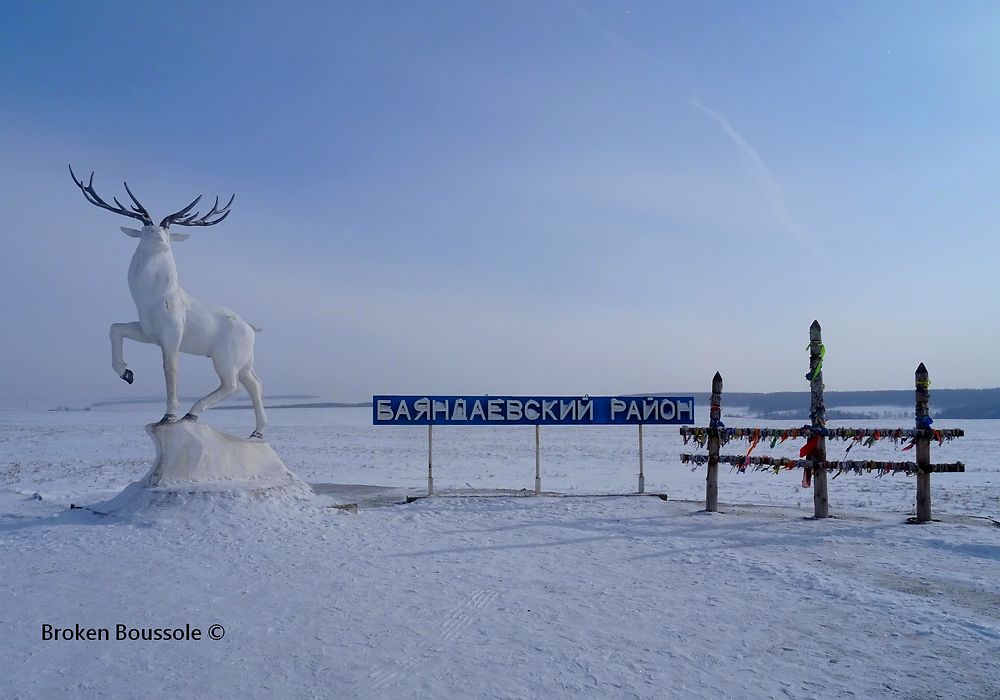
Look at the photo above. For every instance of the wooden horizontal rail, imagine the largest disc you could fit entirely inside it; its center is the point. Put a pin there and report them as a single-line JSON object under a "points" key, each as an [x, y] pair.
{"points": [[856, 466], [700, 435]]}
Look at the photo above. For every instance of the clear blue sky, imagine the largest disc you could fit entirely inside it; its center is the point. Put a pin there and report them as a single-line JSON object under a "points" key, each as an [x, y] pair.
{"points": [[491, 197]]}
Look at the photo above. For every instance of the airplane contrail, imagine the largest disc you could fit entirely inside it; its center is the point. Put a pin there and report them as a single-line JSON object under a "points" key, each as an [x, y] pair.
{"points": [[763, 174]]}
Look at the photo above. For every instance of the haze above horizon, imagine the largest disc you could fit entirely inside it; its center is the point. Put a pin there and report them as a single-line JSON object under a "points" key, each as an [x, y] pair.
{"points": [[463, 198]]}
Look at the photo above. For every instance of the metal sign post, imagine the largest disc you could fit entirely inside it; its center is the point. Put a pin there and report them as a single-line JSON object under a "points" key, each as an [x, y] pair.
{"points": [[430, 461], [538, 460], [642, 477]]}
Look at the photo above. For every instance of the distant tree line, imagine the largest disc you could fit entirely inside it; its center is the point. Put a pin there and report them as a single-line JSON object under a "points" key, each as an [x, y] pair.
{"points": [[794, 405]]}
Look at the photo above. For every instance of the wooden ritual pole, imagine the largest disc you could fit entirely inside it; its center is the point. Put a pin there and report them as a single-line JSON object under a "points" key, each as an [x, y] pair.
{"points": [[817, 414], [715, 420], [923, 443]]}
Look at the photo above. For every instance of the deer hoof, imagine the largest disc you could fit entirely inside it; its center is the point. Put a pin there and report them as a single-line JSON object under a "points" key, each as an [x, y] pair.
{"points": [[190, 417], [257, 435], [167, 418], [128, 376]]}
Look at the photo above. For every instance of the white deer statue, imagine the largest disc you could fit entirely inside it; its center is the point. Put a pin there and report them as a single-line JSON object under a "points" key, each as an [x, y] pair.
{"points": [[173, 319]]}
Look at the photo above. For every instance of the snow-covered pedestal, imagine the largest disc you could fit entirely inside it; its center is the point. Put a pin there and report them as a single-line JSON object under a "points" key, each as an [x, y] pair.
{"points": [[195, 457], [192, 458]]}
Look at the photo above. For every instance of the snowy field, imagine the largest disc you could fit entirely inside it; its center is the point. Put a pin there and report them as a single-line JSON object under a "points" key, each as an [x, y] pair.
{"points": [[600, 596]]}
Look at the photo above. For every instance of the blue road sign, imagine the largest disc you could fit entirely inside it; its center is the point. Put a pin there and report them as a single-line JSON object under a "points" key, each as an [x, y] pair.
{"points": [[532, 410]]}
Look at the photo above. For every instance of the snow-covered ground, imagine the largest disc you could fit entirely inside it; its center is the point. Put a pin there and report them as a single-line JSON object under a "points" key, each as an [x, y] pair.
{"points": [[589, 596]]}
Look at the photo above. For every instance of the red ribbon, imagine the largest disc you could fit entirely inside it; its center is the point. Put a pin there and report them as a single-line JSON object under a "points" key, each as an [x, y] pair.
{"points": [[809, 447]]}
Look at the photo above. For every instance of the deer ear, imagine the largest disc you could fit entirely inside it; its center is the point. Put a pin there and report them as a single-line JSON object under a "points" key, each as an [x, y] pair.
{"points": [[179, 236], [131, 232]]}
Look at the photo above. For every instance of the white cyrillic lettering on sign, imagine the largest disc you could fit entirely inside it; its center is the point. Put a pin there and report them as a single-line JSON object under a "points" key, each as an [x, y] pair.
{"points": [[633, 411], [649, 409], [495, 409], [441, 409], [567, 409], [385, 409], [531, 410], [403, 410], [667, 409], [685, 407], [617, 406], [423, 407], [547, 412], [477, 410], [514, 409]]}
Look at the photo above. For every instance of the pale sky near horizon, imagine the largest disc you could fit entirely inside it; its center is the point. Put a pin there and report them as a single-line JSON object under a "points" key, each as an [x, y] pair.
{"points": [[559, 197]]}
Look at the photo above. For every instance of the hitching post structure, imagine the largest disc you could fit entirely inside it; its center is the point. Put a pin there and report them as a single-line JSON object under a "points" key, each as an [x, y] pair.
{"points": [[812, 456], [817, 414]]}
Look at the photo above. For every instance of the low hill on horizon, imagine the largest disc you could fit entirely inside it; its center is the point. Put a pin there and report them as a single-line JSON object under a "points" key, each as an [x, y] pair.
{"points": [[791, 405]]}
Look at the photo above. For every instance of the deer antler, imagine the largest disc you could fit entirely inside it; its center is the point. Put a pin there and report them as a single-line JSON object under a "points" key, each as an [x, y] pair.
{"points": [[137, 212], [182, 218]]}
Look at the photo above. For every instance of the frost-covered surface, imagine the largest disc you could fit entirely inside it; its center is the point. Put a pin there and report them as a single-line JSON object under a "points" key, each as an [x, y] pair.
{"points": [[491, 597]]}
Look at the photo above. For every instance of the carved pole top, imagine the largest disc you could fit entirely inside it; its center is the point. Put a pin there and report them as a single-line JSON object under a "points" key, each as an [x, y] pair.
{"points": [[922, 394], [715, 404], [817, 407], [815, 332]]}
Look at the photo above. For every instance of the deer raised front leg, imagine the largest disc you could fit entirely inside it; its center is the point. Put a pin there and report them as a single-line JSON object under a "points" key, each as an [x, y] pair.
{"points": [[120, 331]]}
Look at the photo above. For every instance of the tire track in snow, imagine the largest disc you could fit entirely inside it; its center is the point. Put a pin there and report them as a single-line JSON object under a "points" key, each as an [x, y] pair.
{"points": [[450, 629]]}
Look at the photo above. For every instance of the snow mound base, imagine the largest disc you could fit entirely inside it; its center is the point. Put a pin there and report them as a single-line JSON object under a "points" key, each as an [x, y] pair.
{"points": [[288, 501], [190, 453], [196, 463]]}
